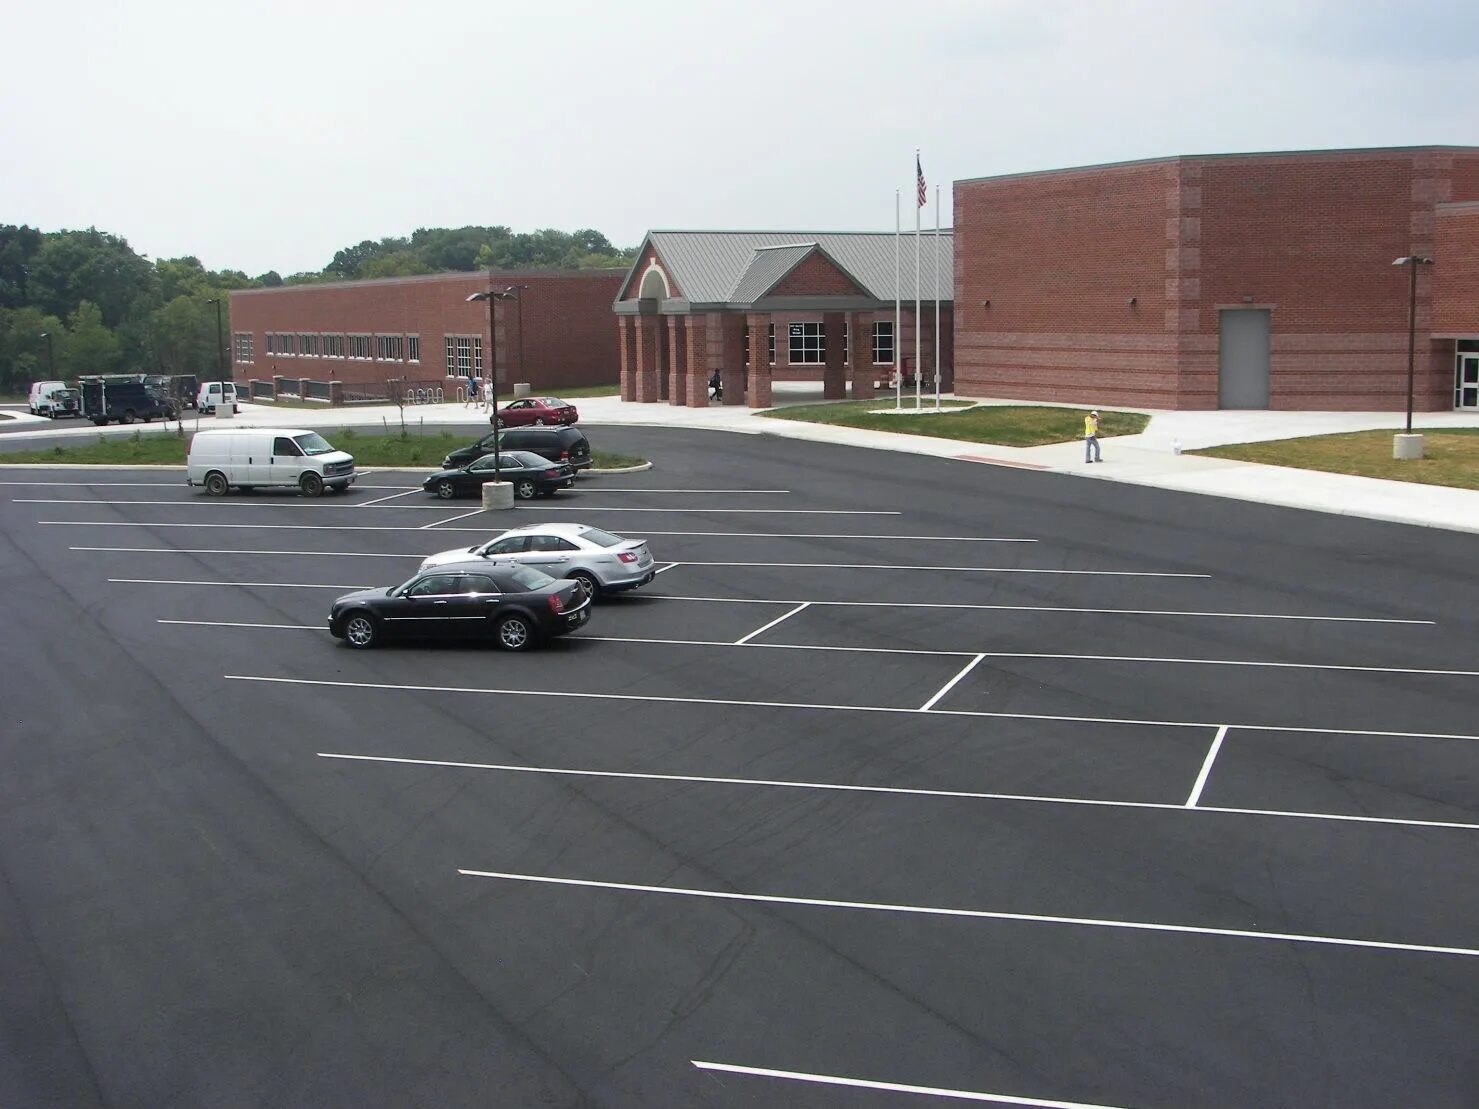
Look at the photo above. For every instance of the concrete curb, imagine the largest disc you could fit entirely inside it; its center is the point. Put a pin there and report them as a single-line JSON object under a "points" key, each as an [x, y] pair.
{"points": [[622, 469]]}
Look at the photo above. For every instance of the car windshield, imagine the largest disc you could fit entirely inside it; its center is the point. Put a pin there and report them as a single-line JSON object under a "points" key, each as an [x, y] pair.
{"points": [[312, 443], [526, 577], [601, 538]]}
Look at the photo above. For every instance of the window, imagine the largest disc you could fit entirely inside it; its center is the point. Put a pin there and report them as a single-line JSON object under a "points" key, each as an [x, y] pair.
{"points": [[333, 346], [464, 355], [390, 348], [476, 583], [413, 348], [846, 346], [438, 585], [243, 343], [308, 345], [359, 346], [550, 543], [883, 343], [808, 343], [519, 578], [601, 538], [269, 342], [287, 346], [512, 544], [747, 346], [284, 447]]}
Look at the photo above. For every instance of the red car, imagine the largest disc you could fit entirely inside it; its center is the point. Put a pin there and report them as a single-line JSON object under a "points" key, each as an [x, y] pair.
{"points": [[534, 410]]}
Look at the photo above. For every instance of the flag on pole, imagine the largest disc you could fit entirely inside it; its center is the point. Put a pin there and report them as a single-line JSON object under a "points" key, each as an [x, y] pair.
{"points": [[920, 191]]}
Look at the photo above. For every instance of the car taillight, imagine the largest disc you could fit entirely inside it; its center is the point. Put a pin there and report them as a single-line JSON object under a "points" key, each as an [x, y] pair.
{"points": [[552, 473], [628, 556], [564, 456], [555, 604]]}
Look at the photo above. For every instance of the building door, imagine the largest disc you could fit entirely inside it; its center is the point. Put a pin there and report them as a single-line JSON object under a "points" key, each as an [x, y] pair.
{"points": [[1242, 358], [1466, 382]]}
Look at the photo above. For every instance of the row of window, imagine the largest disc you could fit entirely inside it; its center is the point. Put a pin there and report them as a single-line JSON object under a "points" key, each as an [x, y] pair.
{"points": [[311, 344], [806, 344], [464, 355]]}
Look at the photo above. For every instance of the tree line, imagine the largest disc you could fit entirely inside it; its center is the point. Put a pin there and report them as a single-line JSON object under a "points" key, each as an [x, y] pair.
{"points": [[84, 302]]}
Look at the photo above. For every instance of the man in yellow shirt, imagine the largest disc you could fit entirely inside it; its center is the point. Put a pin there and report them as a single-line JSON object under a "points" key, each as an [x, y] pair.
{"points": [[1091, 438]]}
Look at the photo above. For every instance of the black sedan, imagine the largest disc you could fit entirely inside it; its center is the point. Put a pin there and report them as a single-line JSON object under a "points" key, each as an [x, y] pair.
{"points": [[517, 606], [532, 476]]}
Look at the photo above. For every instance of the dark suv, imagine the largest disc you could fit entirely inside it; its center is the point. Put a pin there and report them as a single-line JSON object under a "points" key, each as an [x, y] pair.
{"points": [[559, 444]]}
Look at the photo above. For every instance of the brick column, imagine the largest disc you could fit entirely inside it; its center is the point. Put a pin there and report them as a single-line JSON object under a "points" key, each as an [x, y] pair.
{"points": [[834, 372], [677, 361], [696, 361], [646, 362], [947, 348], [860, 339], [628, 358], [727, 353], [757, 389]]}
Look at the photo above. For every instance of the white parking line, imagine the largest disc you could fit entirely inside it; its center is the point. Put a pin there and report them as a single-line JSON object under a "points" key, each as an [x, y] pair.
{"points": [[766, 627], [945, 569], [230, 551], [979, 914], [663, 569], [603, 488], [451, 519], [904, 791], [951, 684], [236, 584], [645, 531], [241, 624], [1196, 790], [145, 484], [898, 1087], [382, 500], [214, 502], [891, 710]]}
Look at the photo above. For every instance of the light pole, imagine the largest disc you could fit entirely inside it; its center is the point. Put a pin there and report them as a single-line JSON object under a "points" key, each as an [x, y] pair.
{"points": [[1412, 261], [50, 354], [490, 296], [520, 298], [220, 341]]}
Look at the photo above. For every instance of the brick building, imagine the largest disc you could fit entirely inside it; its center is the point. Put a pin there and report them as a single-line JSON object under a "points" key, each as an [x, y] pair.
{"points": [[697, 302], [555, 331], [1236, 281]]}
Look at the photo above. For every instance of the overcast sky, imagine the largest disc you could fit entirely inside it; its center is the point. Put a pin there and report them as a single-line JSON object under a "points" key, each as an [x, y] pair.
{"points": [[268, 135]]}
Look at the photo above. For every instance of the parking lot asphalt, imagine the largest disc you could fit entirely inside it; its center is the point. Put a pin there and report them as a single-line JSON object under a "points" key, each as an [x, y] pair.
{"points": [[905, 776]]}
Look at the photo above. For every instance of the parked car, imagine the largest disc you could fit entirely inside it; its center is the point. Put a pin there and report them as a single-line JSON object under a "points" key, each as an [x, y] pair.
{"points": [[559, 444], [123, 397], [251, 457], [597, 560], [180, 388], [517, 606], [53, 399], [532, 476], [212, 393], [534, 410]]}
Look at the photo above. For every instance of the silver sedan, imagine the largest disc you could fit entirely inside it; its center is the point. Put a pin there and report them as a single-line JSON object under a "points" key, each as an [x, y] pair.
{"points": [[598, 560]]}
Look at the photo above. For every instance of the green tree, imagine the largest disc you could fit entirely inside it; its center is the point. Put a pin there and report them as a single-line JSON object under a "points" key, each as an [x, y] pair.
{"points": [[402, 263], [76, 266], [182, 335], [269, 280], [22, 348], [18, 245], [90, 347]]}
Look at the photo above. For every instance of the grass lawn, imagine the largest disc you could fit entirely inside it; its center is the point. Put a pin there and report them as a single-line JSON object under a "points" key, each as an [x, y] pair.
{"points": [[368, 450], [1451, 456], [1006, 426]]}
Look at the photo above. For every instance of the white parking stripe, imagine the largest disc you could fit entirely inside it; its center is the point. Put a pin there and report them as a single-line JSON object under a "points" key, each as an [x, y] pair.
{"points": [[382, 500], [241, 624], [645, 531], [237, 584], [604, 488], [451, 519], [893, 710], [766, 627], [1196, 790], [898, 1087], [979, 914], [906, 791], [230, 551], [945, 569], [951, 684], [220, 503]]}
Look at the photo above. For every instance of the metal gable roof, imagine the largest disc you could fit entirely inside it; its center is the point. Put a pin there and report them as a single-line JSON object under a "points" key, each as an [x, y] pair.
{"points": [[710, 266]]}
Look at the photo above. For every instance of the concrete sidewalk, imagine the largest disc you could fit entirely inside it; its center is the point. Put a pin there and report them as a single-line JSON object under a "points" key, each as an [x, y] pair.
{"points": [[1148, 459]]}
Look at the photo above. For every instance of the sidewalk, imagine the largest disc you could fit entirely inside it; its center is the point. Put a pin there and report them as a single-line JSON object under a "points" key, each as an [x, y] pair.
{"points": [[1147, 459]]}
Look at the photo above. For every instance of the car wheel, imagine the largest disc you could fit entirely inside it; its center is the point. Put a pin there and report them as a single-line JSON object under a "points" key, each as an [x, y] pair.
{"points": [[539, 422], [215, 485], [498, 422], [360, 631], [589, 586], [446, 490], [515, 633], [149, 419], [311, 484], [100, 423], [525, 490], [127, 417]]}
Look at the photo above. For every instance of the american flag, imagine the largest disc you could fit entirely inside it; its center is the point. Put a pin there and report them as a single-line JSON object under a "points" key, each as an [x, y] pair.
{"points": [[919, 181]]}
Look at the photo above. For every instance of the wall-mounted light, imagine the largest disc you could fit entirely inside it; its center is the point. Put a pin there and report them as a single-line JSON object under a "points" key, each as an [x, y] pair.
{"points": [[1133, 301], [985, 304]]}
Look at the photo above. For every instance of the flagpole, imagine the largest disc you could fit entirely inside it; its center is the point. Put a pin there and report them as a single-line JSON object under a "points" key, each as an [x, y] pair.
{"points": [[937, 298], [898, 309], [918, 204]]}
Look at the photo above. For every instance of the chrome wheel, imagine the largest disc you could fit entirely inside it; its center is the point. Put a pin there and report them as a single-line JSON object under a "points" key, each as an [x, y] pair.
{"points": [[514, 633], [360, 631], [586, 583], [445, 490], [525, 490]]}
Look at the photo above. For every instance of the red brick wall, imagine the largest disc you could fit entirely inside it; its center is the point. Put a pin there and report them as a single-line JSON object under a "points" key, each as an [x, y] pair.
{"points": [[1059, 256], [816, 276], [568, 338], [1456, 270]]}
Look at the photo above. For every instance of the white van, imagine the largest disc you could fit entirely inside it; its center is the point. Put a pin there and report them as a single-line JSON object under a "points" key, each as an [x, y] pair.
{"points": [[251, 457], [53, 398], [213, 393]]}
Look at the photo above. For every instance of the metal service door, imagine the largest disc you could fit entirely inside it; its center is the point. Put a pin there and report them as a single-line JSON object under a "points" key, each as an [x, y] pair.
{"points": [[1466, 382], [1242, 358]]}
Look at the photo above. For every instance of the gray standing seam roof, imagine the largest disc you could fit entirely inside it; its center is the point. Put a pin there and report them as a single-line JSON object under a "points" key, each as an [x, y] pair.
{"points": [[724, 267]]}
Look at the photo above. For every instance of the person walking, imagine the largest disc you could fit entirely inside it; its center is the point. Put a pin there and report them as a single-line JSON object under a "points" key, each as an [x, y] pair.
{"points": [[472, 391], [1091, 438], [489, 400], [716, 386]]}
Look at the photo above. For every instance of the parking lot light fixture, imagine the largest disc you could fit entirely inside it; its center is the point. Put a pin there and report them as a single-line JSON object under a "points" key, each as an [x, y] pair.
{"points": [[1412, 261], [490, 296], [50, 355], [220, 341]]}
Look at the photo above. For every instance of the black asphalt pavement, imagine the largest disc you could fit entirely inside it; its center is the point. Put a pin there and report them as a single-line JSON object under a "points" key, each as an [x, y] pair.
{"points": [[1174, 804]]}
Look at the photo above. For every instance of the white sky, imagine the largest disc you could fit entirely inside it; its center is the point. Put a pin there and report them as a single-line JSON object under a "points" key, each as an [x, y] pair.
{"points": [[268, 135]]}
